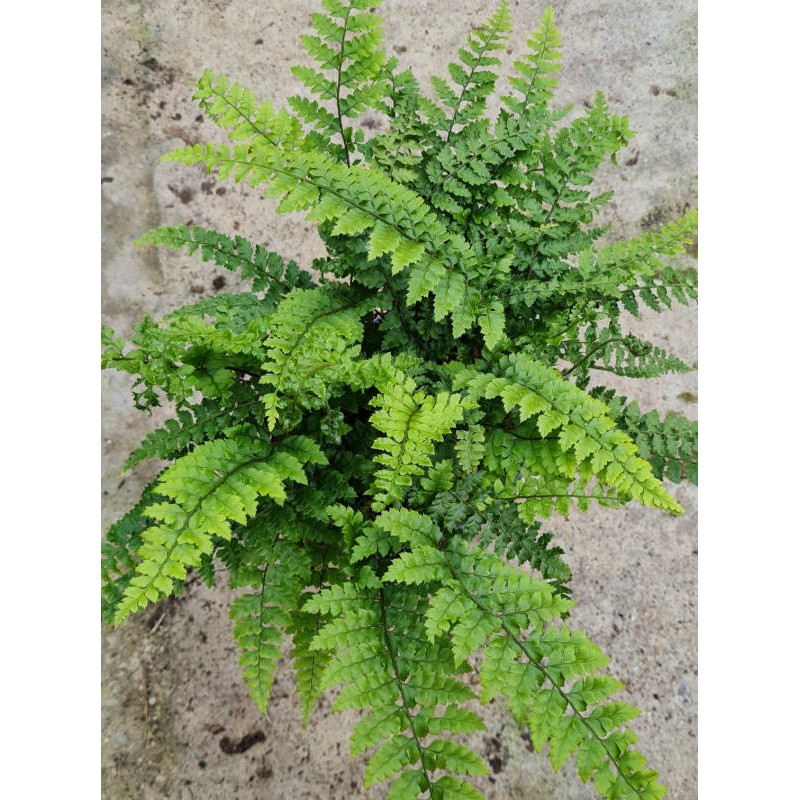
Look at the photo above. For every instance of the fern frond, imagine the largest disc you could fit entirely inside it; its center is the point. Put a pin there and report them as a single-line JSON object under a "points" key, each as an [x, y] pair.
{"points": [[618, 276], [314, 335], [559, 169], [216, 484], [309, 664], [537, 69], [153, 364], [262, 617], [285, 551], [411, 421], [583, 426], [670, 443], [471, 508], [387, 667], [347, 45], [195, 424], [547, 674], [188, 352], [477, 81], [399, 152], [266, 269], [634, 269], [118, 553], [234, 107], [357, 200], [609, 350]]}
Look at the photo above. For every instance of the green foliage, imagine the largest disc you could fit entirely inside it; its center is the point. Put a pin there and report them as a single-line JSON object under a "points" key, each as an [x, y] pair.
{"points": [[370, 455], [270, 276]]}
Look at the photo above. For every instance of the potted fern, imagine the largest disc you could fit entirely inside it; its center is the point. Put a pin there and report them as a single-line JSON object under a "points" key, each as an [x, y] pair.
{"points": [[370, 453]]}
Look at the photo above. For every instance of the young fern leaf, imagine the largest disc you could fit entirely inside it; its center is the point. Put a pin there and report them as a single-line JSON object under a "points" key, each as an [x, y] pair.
{"points": [[235, 108], [537, 69]]}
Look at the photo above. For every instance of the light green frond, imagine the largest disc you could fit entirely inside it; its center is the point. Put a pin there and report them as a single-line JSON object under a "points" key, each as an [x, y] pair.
{"points": [[546, 673], [581, 423], [235, 108], [537, 69], [412, 423], [407, 686], [218, 483]]}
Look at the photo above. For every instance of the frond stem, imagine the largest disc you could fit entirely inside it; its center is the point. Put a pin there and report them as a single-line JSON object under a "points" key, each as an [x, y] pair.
{"points": [[396, 676], [339, 86]]}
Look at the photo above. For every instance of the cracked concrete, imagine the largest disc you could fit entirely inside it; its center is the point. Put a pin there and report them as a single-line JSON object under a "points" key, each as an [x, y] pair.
{"points": [[170, 677]]}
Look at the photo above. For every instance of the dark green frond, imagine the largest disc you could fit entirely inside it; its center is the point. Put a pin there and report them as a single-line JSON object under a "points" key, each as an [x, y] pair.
{"points": [[267, 270], [607, 349], [473, 77], [670, 443], [351, 77]]}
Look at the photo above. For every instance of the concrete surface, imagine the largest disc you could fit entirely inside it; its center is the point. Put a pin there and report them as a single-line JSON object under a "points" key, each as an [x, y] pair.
{"points": [[170, 676]]}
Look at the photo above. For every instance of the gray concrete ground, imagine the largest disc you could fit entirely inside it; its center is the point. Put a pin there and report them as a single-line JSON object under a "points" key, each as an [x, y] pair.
{"points": [[171, 687]]}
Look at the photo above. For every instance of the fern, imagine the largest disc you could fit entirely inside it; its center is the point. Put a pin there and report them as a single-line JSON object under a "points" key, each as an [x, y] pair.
{"points": [[669, 444], [537, 69], [265, 269], [477, 81], [609, 350], [263, 616], [216, 484], [194, 424], [412, 423], [312, 338], [370, 455]]}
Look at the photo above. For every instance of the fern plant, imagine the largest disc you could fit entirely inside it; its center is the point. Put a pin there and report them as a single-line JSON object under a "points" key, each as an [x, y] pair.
{"points": [[370, 455]]}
